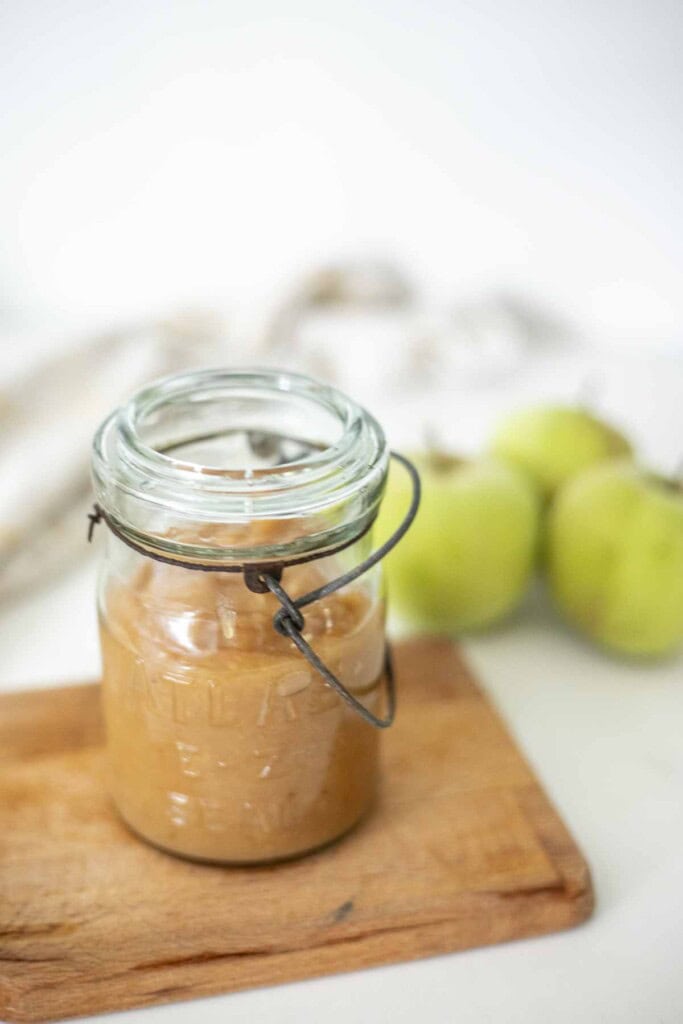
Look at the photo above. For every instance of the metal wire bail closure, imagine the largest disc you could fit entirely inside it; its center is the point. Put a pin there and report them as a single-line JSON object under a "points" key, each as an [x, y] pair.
{"points": [[289, 621]]}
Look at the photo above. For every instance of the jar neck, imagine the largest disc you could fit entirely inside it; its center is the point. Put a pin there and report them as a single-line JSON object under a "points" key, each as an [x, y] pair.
{"points": [[240, 466]]}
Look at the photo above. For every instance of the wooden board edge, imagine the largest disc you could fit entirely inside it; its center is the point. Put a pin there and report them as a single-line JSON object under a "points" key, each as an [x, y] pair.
{"points": [[528, 915], [557, 841]]}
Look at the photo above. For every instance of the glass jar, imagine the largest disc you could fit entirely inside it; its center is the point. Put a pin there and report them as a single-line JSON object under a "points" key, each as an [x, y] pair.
{"points": [[224, 742]]}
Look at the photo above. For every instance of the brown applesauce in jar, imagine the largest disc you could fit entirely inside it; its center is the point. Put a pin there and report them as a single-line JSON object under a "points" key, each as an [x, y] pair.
{"points": [[225, 742]]}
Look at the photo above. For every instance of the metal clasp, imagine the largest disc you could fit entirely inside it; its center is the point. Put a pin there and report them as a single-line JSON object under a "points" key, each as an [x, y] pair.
{"points": [[289, 620]]}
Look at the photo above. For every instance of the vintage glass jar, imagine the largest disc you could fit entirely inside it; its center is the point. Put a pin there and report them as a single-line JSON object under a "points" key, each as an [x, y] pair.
{"points": [[228, 493]]}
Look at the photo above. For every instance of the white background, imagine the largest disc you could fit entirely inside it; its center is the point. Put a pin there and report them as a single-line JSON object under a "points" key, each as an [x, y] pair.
{"points": [[163, 153], [156, 155]]}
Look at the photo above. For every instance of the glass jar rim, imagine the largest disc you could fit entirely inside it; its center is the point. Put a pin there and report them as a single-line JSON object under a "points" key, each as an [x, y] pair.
{"points": [[340, 481]]}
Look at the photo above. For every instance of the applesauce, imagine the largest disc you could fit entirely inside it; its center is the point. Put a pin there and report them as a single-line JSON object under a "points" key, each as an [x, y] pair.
{"points": [[228, 495], [224, 744]]}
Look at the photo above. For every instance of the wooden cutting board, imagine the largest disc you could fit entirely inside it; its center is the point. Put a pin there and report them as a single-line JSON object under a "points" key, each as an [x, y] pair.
{"points": [[463, 850]]}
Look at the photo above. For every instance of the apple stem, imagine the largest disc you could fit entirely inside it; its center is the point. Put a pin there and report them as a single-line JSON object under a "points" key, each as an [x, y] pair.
{"points": [[436, 453], [439, 458]]}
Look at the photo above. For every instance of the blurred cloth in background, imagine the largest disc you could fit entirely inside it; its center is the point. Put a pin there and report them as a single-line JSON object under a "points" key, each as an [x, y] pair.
{"points": [[355, 325]]}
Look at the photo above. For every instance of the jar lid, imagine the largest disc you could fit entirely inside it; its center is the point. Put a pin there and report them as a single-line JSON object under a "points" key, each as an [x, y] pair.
{"points": [[237, 447]]}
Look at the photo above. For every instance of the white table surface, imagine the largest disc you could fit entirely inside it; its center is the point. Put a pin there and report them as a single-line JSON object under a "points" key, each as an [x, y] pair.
{"points": [[604, 737]]}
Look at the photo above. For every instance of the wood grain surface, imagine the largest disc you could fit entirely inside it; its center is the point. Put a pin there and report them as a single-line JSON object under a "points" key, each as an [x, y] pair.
{"points": [[463, 850]]}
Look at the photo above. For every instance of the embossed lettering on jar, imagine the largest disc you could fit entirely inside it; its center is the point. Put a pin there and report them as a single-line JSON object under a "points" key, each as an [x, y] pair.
{"points": [[224, 743]]}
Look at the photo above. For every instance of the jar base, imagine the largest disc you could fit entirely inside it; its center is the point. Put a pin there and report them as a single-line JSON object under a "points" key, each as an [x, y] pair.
{"points": [[229, 862]]}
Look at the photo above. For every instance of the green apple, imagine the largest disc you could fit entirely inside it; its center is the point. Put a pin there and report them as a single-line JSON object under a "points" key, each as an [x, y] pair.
{"points": [[467, 558], [553, 443], [615, 557]]}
